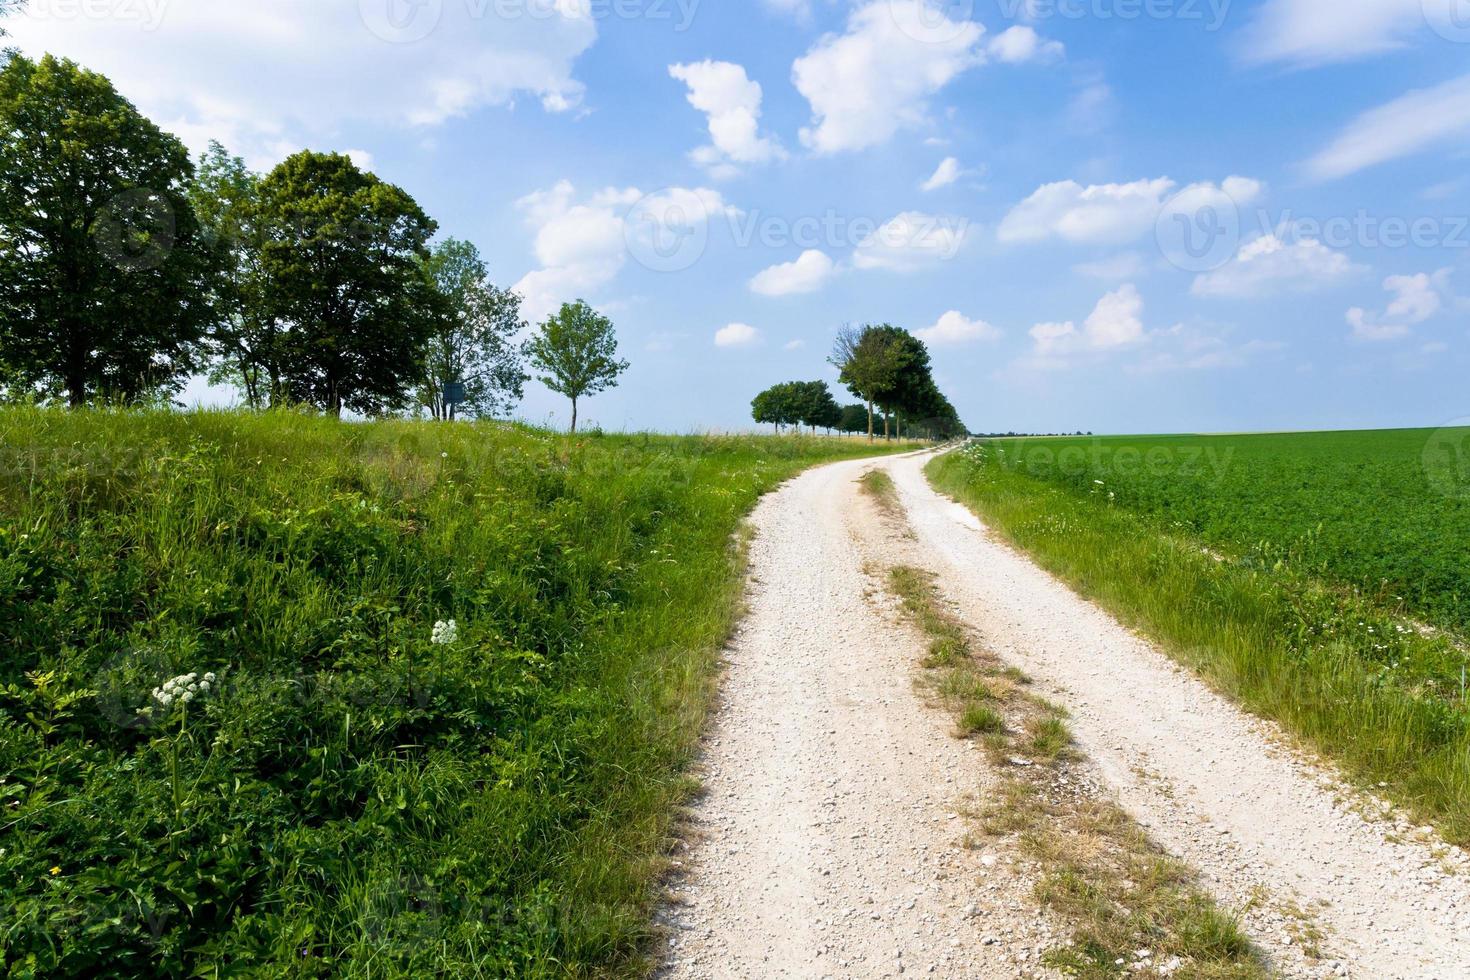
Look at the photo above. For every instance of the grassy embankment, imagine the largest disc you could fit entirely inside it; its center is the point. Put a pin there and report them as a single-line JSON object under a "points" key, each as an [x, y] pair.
{"points": [[1319, 578], [350, 797]]}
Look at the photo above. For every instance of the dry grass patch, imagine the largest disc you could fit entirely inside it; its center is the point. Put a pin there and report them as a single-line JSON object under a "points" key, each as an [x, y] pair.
{"points": [[1133, 909]]}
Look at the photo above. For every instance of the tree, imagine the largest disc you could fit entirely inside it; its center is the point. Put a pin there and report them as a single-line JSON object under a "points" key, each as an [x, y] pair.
{"points": [[105, 280], [816, 408], [473, 340], [245, 340], [770, 406], [341, 265], [854, 419], [577, 352], [868, 363]]}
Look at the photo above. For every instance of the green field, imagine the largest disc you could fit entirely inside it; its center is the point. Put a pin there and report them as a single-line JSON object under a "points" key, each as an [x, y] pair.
{"points": [[357, 793], [1321, 578]]}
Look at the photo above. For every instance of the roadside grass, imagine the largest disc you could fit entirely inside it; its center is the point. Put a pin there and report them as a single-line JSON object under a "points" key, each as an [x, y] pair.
{"points": [[1346, 674], [350, 797], [1118, 892]]}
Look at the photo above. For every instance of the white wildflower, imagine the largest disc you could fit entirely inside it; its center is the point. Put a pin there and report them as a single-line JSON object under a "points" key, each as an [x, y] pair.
{"points": [[182, 688], [445, 632]]}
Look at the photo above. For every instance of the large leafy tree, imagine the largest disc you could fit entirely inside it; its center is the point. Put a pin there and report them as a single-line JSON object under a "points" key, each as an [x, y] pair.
{"points": [[342, 271], [576, 351], [870, 361], [105, 279], [473, 339], [245, 340]]}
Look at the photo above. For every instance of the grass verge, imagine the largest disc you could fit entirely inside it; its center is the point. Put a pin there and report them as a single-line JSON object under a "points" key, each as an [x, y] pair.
{"points": [[1349, 676], [1100, 873], [358, 791]]}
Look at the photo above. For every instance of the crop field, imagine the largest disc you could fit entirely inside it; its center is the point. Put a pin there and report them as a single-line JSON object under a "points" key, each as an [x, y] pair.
{"points": [[312, 698], [1321, 578]]}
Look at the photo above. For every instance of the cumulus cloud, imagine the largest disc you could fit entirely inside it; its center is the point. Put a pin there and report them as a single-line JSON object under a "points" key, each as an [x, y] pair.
{"points": [[954, 328], [910, 241], [876, 78], [1113, 213], [737, 335], [1416, 298], [1410, 124], [1018, 44], [810, 271], [732, 102], [1314, 32], [945, 174], [582, 244], [1267, 265], [1114, 322], [292, 74]]}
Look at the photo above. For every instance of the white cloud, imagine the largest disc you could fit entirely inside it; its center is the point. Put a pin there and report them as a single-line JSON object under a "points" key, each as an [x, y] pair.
{"points": [[582, 245], [808, 273], [1416, 298], [1021, 43], [1412, 123], [877, 78], [292, 74], [737, 335], [1313, 32], [1267, 265], [793, 345], [1113, 213], [945, 174], [732, 102], [362, 158], [1188, 348], [1114, 322], [911, 240], [955, 328]]}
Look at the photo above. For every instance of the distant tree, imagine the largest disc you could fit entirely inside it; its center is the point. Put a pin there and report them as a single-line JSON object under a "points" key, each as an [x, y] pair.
{"points": [[768, 407], [245, 341], [341, 263], [577, 352], [868, 363], [816, 407], [473, 338], [854, 419], [105, 280]]}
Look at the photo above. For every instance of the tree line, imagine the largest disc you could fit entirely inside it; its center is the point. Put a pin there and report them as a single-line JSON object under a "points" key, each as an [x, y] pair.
{"points": [[889, 369], [125, 268]]}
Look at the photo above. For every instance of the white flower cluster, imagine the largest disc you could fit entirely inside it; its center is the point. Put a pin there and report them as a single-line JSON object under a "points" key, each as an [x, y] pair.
{"points": [[183, 688], [445, 633]]}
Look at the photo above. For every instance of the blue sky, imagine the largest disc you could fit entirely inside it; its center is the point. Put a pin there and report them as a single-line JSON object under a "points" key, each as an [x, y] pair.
{"points": [[1111, 215]]}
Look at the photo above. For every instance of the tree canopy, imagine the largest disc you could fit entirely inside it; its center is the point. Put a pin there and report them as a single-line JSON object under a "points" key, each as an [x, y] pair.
{"points": [[472, 339], [576, 351], [105, 279], [342, 264]]}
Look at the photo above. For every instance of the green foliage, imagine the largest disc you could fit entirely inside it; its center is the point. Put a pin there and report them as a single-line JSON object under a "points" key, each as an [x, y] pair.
{"points": [[889, 367], [351, 798], [577, 352], [1297, 572], [104, 276], [473, 340], [341, 267], [797, 403]]}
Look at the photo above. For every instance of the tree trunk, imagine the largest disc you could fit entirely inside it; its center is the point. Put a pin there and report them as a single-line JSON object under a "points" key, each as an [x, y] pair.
{"points": [[870, 420], [574, 416]]}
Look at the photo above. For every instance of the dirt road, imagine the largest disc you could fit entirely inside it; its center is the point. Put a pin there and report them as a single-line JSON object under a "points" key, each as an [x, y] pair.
{"points": [[832, 841]]}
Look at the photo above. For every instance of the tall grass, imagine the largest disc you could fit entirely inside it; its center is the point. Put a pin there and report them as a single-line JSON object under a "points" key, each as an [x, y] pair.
{"points": [[351, 798], [1349, 677]]}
